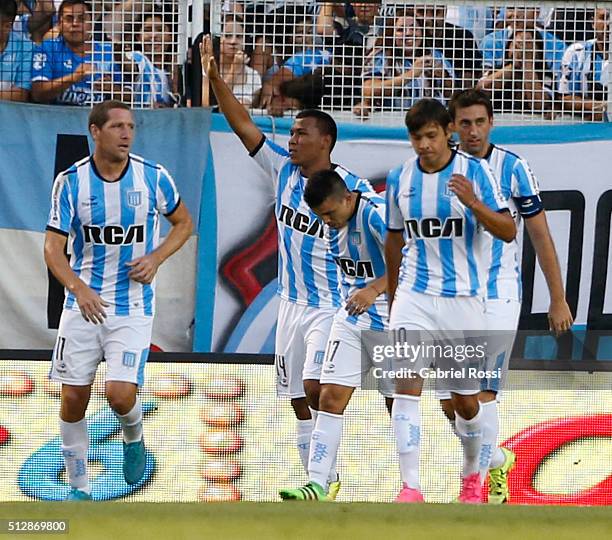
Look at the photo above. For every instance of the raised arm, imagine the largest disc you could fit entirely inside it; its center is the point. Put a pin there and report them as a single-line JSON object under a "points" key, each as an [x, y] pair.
{"points": [[235, 113]]}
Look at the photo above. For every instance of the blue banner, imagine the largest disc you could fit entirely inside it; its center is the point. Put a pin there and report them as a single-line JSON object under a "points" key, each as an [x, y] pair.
{"points": [[176, 138]]}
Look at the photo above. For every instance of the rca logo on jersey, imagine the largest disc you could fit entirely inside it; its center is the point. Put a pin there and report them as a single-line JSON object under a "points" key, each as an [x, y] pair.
{"points": [[301, 222], [434, 228], [113, 235], [360, 269]]}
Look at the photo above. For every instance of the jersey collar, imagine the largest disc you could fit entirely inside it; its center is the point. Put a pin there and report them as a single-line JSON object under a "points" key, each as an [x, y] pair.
{"points": [[123, 173]]}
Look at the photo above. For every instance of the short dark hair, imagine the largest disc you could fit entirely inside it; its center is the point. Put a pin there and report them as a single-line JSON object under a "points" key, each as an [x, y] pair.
{"points": [[426, 111], [65, 3], [325, 123], [8, 9], [99, 113], [468, 98], [307, 89], [321, 185]]}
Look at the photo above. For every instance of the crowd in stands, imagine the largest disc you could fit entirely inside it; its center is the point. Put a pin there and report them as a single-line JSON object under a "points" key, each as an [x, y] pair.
{"points": [[278, 56], [64, 54], [378, 56]]}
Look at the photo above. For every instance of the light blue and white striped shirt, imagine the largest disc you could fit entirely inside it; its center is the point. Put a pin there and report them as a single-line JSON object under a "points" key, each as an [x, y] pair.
{"points": [[110, 224], [307, 273], [358, 249], [443, 255], [519, 188]]}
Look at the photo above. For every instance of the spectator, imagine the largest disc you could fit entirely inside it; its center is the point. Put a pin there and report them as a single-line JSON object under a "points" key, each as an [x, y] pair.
{"points": [[522, 19], [476, 19], [585, 70], [15, 56], [154, 60], [349, 24], [243, 80], [405, 70], [70, 69], [456, 43], [35, 18], [306, 59], [523, 83], [350, 32]]}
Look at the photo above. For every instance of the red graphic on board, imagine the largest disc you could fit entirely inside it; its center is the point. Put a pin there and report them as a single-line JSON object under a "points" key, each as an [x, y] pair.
{"points": [[534, 445]]}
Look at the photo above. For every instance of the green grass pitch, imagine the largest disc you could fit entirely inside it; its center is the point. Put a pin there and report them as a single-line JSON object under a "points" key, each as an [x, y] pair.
{"points": [[220, 521]]}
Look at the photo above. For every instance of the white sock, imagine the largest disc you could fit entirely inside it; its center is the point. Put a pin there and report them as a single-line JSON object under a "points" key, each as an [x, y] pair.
{"points": [[406, 419], [304, 432], [497, 459], [75, 444], [131, 423], [324, 445], [470, 432], [490, 430], [333, 474]]}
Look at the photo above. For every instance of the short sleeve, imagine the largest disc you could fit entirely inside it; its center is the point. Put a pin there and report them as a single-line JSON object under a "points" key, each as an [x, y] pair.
{"points": [[394, 218], [270, 157], [41, 65], [487, 186], [354, 182], [167, 195], [377, 224], [525, 190], [62, 208]]}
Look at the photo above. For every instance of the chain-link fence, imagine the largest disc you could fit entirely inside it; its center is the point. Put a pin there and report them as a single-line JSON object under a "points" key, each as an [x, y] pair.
{"points": [[79, 52], [365, 61], [372, 60]]}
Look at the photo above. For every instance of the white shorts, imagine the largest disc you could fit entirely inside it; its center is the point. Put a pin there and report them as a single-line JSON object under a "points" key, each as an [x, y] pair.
{"points": [[501, 315], [301, 338], [344, 364], [433, 316], [80, 346]]}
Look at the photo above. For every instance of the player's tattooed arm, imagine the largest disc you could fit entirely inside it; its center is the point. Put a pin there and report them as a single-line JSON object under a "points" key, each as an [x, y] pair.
{"points": [[499, 224], [90, 303], [143, 269], [394, 244], [360, 301], [560, 317], [235, 113]]}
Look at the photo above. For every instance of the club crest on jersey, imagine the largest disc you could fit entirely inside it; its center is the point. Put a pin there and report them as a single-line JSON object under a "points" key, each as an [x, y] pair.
{"points": [[447, 192], [134, 198], [355, 238]]}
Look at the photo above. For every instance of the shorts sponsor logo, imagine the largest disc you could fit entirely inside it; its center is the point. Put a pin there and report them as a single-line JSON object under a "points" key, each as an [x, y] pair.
{"points": [[129, 359]]}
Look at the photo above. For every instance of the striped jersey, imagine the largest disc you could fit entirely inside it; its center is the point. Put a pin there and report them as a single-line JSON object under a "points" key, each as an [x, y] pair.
{"points": [[110, 224], [358, 249], [519, 188], [307, 273], [443, 254]]}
